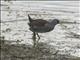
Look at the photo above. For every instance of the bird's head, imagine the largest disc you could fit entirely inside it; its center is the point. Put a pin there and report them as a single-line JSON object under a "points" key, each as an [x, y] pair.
{"points": [[55, 21]]}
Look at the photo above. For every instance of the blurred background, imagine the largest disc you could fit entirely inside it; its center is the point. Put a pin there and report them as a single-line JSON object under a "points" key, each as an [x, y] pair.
{"points": [[65, 37]]}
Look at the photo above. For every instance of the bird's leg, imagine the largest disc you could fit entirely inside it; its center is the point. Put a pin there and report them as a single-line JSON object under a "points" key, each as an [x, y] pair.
{"points": [[38, 36], [34, 39], [34, 35]]}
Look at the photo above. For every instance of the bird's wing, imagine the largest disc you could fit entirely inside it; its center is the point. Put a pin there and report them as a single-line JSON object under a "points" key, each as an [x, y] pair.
{"points": [[39, 23]]}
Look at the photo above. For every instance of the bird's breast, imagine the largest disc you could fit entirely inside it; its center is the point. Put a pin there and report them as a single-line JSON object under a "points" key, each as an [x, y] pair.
{"points": [[41, 29]]}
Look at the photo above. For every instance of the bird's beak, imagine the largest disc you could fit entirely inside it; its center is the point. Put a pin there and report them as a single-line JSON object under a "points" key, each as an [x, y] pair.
{"points": [[66, 22]]}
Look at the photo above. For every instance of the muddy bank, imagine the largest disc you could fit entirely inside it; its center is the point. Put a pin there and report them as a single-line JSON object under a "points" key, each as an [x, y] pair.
{"points": [[27, 52]]}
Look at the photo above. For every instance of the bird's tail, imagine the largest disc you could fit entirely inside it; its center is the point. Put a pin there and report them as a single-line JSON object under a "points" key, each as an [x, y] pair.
{"points": [[30, 19]]}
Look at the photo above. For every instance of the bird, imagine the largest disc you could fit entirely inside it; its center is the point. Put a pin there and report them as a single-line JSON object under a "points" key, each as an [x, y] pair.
{"points": [[41, 26]]}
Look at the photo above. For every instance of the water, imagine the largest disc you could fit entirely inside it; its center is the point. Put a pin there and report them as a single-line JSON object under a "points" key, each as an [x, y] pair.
{"points": [[14, 23]]}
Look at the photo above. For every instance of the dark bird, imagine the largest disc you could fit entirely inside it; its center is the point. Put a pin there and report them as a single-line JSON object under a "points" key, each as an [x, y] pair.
{"points": [[41, 26]]}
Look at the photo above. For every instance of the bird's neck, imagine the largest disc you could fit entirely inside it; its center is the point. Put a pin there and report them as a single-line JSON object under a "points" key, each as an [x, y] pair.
{"points": [[52, 25]]}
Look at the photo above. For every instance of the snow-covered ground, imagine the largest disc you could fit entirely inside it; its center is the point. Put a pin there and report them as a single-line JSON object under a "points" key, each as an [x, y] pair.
{"points": [[14, 23]]}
